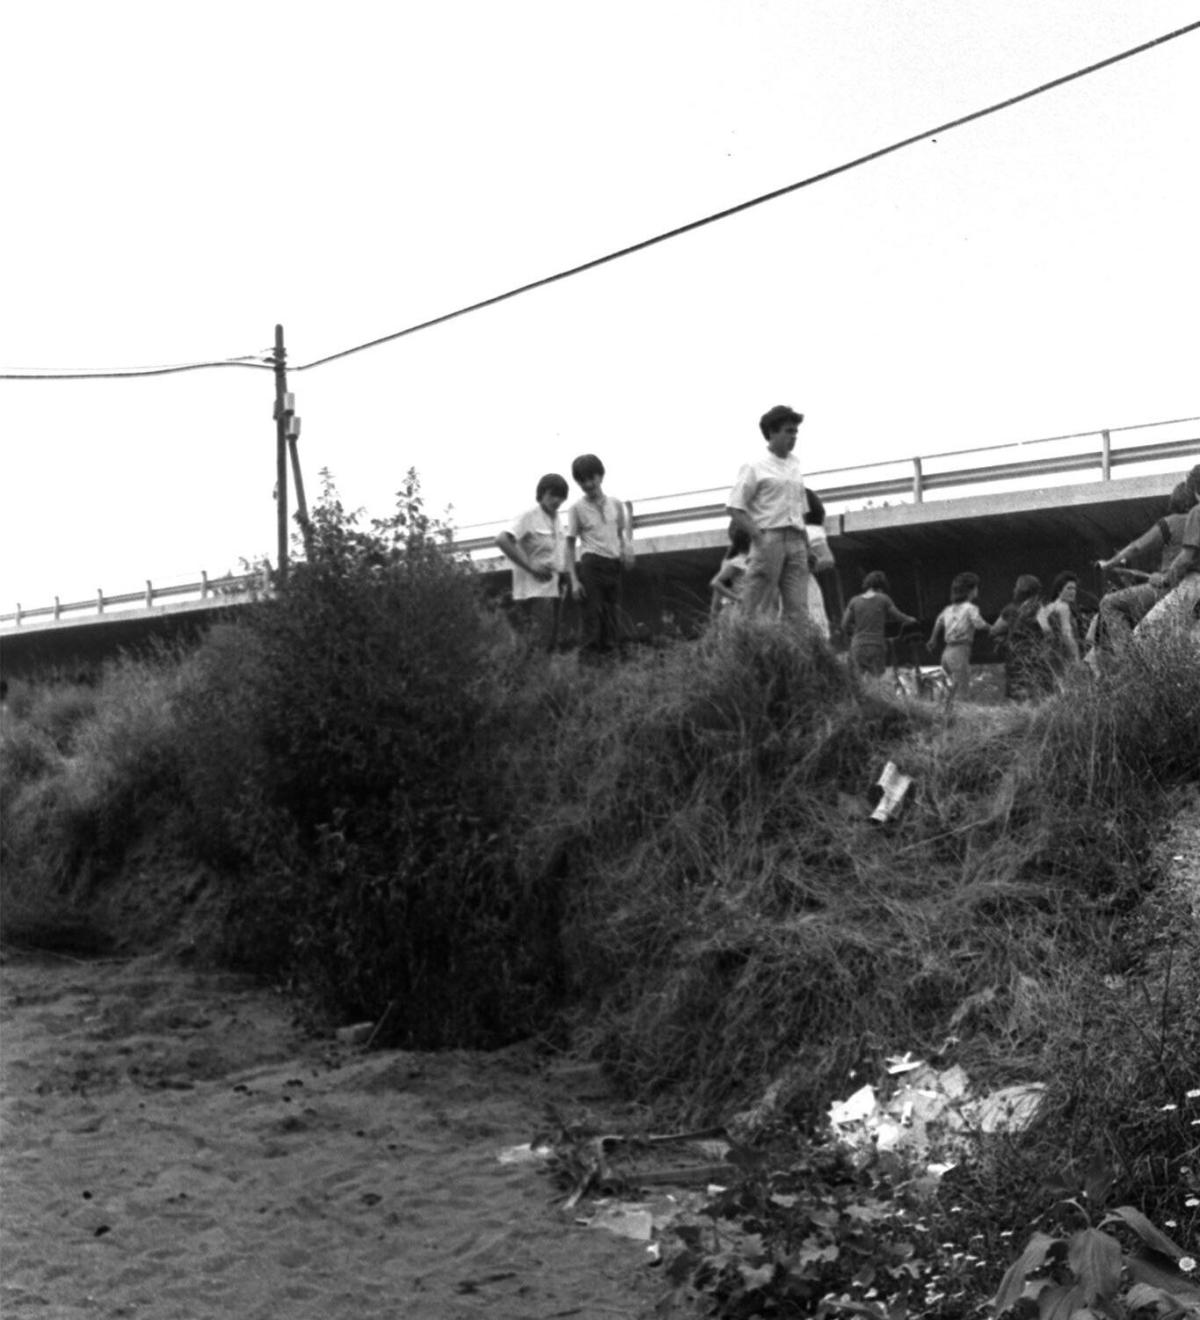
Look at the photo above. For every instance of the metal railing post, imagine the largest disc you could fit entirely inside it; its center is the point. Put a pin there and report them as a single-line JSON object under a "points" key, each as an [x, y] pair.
{"points": [[918, 481], [99, 600], [149, 595], [18, 614], [57, 609], [1105, 456], [203, 584]]}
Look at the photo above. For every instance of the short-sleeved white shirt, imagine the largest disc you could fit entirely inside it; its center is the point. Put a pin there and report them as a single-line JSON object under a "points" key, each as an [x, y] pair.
{"points": [[771, 490], [960, 622], [597, 527], [537, 533]]}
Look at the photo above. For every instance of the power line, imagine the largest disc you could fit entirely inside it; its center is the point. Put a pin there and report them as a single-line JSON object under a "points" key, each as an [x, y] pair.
{"points": [[262, 362], [254, 360], [755, 201]]}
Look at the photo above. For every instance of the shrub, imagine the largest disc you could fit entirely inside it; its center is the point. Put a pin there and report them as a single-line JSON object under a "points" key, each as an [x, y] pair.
{"points": [[219, 732], [70, 821], [375, 836]]}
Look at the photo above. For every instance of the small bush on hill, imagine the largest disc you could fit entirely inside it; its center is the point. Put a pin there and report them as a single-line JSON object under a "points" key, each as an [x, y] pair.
{"points": [[371, 819]]}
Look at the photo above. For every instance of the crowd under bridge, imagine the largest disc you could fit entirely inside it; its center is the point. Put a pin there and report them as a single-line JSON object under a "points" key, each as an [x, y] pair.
{"points": [[1040, 507]]}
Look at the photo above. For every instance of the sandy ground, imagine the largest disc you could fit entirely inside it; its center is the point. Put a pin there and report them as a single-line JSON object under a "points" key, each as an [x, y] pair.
{"points": [[172, 1146]]}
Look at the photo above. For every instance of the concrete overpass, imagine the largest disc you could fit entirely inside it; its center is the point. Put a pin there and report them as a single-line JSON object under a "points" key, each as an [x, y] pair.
{"points": [[1040, 507], [1042, 530]]}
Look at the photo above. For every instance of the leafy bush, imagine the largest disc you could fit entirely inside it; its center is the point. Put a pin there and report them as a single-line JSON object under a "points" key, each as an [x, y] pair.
{"points": [[809, 1234], [372, 819], [1121, 1266], [220, 736]]}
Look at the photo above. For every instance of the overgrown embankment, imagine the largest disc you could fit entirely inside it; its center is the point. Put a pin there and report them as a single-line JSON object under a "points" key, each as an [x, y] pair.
{"points": [[374, 793]]}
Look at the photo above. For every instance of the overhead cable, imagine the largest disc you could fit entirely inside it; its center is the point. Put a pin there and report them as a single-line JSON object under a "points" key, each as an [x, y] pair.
{"points": [[754, 201], [265, 362], [259, 361]]}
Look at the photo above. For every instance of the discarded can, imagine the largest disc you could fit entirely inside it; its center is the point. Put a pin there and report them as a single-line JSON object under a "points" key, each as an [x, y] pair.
{"points": [[888, 794]]}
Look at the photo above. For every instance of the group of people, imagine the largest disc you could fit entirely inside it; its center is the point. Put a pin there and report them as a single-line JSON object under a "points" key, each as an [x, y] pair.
{"points": [[1042, 635], [778, 548], [591, 556]]}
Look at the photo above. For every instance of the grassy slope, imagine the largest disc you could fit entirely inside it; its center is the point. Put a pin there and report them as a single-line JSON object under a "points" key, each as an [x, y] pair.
{"points": [[690, 832]]}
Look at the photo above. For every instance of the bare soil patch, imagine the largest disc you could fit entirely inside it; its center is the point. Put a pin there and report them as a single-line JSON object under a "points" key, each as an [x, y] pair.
{"points": [[173, 1146]]}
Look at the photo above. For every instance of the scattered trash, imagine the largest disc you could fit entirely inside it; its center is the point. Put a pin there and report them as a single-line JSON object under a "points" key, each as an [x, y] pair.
{"points": [[643, 1220], [857, 1109], [586, 1163], [887, 793], [1011, 1109], [529, 1153], [932, 1117], [902, 1063], [625, 1219]]}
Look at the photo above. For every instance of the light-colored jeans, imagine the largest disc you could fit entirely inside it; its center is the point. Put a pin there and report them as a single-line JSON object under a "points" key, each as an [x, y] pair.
{"points": [[779, 560], [1174, 612], [1122, 610]]}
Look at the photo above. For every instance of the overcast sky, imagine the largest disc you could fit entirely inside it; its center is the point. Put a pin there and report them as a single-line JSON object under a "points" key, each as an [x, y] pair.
{"points": [[180, 177]]}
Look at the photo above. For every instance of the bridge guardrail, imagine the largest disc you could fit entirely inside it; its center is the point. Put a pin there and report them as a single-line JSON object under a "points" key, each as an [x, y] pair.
{"points": [[215, 591], [919, 477]]}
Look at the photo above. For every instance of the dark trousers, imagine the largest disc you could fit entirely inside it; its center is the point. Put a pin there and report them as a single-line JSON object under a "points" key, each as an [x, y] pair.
{"points": [[536, 619], [601, 582]]}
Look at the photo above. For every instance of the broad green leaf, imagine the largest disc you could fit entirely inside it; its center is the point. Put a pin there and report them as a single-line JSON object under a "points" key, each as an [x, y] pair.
{"points": [[1095, 1260], [1151, 1236], [1028, 1262], [1145, 1294], [1060, 1302]]}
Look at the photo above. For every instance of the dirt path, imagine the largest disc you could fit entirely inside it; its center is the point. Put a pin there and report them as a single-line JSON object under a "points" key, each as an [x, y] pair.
{"points": [[172, 1147]]}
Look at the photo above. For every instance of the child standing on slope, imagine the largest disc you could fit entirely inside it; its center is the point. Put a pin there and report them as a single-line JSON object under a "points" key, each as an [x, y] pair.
{"points": [[534, 544], [726, 586], [865, 623], [601, 527], [954, 630]]}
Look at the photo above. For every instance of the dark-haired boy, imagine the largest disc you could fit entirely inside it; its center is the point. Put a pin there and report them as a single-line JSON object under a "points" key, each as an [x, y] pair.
{"points": [[768, 503], [600, 527], [534, 544]]}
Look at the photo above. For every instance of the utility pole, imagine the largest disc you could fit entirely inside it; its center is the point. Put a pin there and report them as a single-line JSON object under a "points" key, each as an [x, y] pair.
{"points": [[287, 432], [281, 482]]}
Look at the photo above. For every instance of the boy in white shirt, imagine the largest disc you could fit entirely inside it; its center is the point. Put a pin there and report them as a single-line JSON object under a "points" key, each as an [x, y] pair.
{"points": [[767, 502], [601, 527], [534, 544]]}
